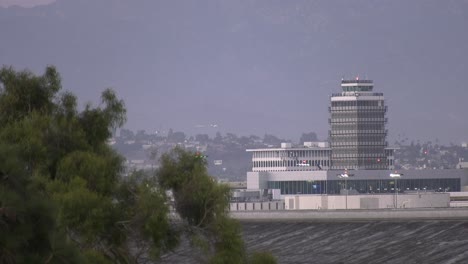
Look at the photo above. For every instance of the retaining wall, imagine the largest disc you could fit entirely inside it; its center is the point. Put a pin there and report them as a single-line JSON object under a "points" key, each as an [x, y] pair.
{"points": [[364, 215]]}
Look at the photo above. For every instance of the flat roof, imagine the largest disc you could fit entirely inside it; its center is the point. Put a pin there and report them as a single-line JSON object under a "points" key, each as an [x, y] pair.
{"points": [[356, 81], [278, 149]]}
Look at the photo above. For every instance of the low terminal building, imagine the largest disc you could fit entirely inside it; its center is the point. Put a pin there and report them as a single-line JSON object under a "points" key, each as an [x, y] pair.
{"points": [[307, 170], [356, 159], [362, 181], [305, 174], [368, 201]]}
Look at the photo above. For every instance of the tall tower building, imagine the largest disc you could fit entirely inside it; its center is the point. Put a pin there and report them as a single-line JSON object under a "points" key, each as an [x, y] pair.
{"points": [[358, 134]]}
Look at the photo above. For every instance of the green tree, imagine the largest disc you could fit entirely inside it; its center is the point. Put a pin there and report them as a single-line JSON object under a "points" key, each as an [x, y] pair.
{"points": [[202, 204], [27, 215], [203, 138], [271, 140], [62, 197], [262, 258], [308, 137], [176, 137]]}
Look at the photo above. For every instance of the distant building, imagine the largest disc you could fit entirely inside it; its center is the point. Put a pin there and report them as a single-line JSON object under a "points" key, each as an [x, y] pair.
{"points": [[361, 181], [462, 164], [357, 147], [358, 133], [287, 158]]}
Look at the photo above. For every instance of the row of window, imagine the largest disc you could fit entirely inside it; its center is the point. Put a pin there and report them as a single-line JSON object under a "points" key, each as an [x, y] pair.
{"points": [[353, 166], [354, 107], [357, 88], [367, 164], [291, 153], [366, 186], [360, 138], [290, 163], [357, 110], [355, 132], [374, 117], [358, 133], [357, 121], [356, 136], [361, 149], [335, 115], [368, 156], [358, 103], [357, 125], [359, 143], [354, 154]]}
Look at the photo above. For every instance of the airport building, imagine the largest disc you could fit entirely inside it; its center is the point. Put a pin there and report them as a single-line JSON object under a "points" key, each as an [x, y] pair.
{"points": [[358, 134], [357, 148], [313, 156], [361, 181]]}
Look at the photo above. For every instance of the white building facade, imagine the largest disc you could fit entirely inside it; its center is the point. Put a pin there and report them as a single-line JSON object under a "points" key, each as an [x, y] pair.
{"points": [[287, 158]]}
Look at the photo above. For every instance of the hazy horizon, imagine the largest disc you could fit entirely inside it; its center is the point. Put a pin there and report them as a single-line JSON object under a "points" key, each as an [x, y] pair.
{"points": [[251, 66]]}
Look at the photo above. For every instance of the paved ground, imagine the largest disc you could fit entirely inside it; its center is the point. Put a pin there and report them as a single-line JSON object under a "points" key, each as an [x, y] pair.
{"points": [[361, 242], [358, 214], [354, 242]]}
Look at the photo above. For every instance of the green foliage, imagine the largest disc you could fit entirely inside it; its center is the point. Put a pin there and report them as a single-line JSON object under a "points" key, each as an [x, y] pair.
{"points": [[202, 203], [27, 221], [24, 93], [228, 244], [99, 171], [308, 137], [61, 188], [199, 199], [63, 198], [114, 111], [94, 257], [82, 210], [262, 258], [152, 209]]}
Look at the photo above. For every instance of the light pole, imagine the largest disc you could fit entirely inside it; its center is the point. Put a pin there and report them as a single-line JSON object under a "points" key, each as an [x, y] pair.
{"points": [[345, 176], [396, 176]]}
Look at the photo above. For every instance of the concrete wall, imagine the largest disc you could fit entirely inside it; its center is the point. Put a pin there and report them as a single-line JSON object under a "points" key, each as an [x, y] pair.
{"points": [[338, 202], [333, 202], [369, 203], [257, 180], [458, 194], [296, 175], [257, 206], [364, 215], [266, 206], [464, 180], [459, 204]]}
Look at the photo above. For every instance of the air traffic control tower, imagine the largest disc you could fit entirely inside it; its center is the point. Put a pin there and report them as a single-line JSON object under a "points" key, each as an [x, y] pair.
{"points": [[358, 133]]}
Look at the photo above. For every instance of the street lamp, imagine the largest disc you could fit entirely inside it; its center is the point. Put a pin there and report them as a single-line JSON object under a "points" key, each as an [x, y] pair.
{"points": [[345, 176], [396, 176]]}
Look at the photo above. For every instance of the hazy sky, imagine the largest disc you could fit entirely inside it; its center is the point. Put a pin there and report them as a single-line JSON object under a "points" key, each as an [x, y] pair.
{"points": [[24, 3], [251, 66]]}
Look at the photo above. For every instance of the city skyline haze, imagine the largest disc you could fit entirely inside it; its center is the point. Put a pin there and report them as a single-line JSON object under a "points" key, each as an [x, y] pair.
{"points": [[251, 66]]}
